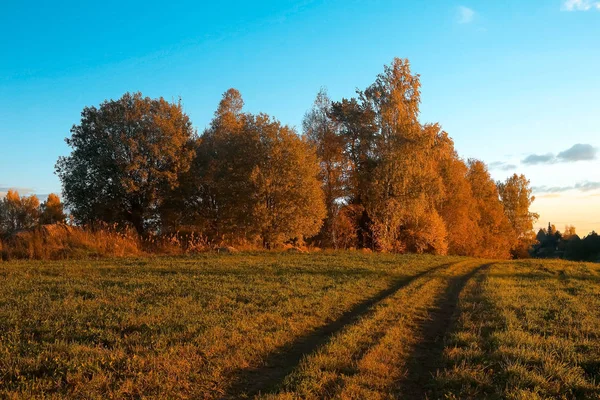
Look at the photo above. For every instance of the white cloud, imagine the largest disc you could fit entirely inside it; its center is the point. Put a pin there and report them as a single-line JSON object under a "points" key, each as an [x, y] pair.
{"points": [[465, 15], [503, 166], [585, 186], [580, 5]]}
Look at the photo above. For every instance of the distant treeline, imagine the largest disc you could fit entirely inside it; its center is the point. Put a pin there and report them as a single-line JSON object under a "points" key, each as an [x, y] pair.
{"points": [[551, 243], [364, 173]]}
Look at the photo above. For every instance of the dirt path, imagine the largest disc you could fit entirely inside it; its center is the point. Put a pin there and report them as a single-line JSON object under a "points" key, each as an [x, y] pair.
{"points": [[268, 377], [427, 355]]}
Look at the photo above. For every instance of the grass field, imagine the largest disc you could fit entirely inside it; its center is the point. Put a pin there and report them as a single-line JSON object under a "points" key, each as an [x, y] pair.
{"points": [[299, 326]]}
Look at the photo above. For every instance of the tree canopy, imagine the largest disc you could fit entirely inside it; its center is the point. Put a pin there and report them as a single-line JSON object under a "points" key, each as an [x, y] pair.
{"points": [[253, 179], [126, 156], [19, 213], [366, 172]]}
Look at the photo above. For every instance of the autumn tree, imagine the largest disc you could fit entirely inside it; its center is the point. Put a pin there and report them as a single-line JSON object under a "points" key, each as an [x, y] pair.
{"points": [[288, 197], [321, 132], [569, 232], [516, 197], [253, 179], [493, 228], [458, 207], [18, 213], [126, 157], [405, 182], [52, 211], [355, 123]]}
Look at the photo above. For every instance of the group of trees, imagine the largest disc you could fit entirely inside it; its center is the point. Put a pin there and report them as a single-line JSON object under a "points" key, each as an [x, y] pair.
{"points": [[18, 213], [138, 161], [394, 184], [365, 173], [551, 243]]}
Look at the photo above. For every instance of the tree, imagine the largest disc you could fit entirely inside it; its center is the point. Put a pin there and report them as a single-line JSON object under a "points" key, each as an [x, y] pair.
{"points": [[575, 249], [320, 130], [288, 199], [52, 211], [406, 184], [18, 213], [494, 229], [253, 179], [355, 123], [569, 232], [458, 207], [591, 247], [219, 194], [516, 197], [126, 157]]}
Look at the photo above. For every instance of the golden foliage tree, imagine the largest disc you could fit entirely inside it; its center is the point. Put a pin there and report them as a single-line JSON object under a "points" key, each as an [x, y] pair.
{"points": [[254, 179], [18, 213], [397, 182], [355, 123], [516, 197], [494, 230], [569, 232], [222, 191], [289, 201], [52, 211], [458, 207]]}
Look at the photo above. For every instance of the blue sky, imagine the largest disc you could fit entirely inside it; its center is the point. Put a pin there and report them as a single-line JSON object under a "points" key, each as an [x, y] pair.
{"points": [[507, 80]]}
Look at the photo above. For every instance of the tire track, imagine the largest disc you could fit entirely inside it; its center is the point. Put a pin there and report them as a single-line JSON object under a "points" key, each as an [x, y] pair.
{"points": [[427, 355], [269, 376]]}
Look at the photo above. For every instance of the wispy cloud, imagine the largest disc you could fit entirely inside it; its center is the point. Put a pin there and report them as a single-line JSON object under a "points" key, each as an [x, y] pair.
{"points": [[22, 190], [551, 189], [547, 196], [586, 186], [465, 15], [580, 5], [502, 166], [578, 152]]}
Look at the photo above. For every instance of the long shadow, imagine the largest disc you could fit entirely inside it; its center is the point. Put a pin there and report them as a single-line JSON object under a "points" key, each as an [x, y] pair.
{"points": [[427, 355], [268, 377]]}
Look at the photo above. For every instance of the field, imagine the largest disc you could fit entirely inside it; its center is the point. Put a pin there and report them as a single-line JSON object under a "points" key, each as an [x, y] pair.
{"points": [[299, 326]]}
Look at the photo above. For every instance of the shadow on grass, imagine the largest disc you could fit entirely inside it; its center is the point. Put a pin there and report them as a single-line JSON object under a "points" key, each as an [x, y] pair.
{"points": [[268, 377]]}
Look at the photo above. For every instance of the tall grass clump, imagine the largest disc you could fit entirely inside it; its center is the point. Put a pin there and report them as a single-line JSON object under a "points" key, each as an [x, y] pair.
{"points": [[60, 241]]}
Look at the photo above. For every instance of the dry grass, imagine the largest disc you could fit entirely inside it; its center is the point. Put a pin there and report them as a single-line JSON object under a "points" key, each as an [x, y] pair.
{"points": [[172, 327], [370, 357], [299, 326], [57, 242], [527, 330], [63, 242]]}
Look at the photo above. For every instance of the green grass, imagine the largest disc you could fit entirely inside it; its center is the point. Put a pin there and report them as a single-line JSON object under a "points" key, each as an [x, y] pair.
{"points": [[527, 330], [174, 327], [292, 326]]}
